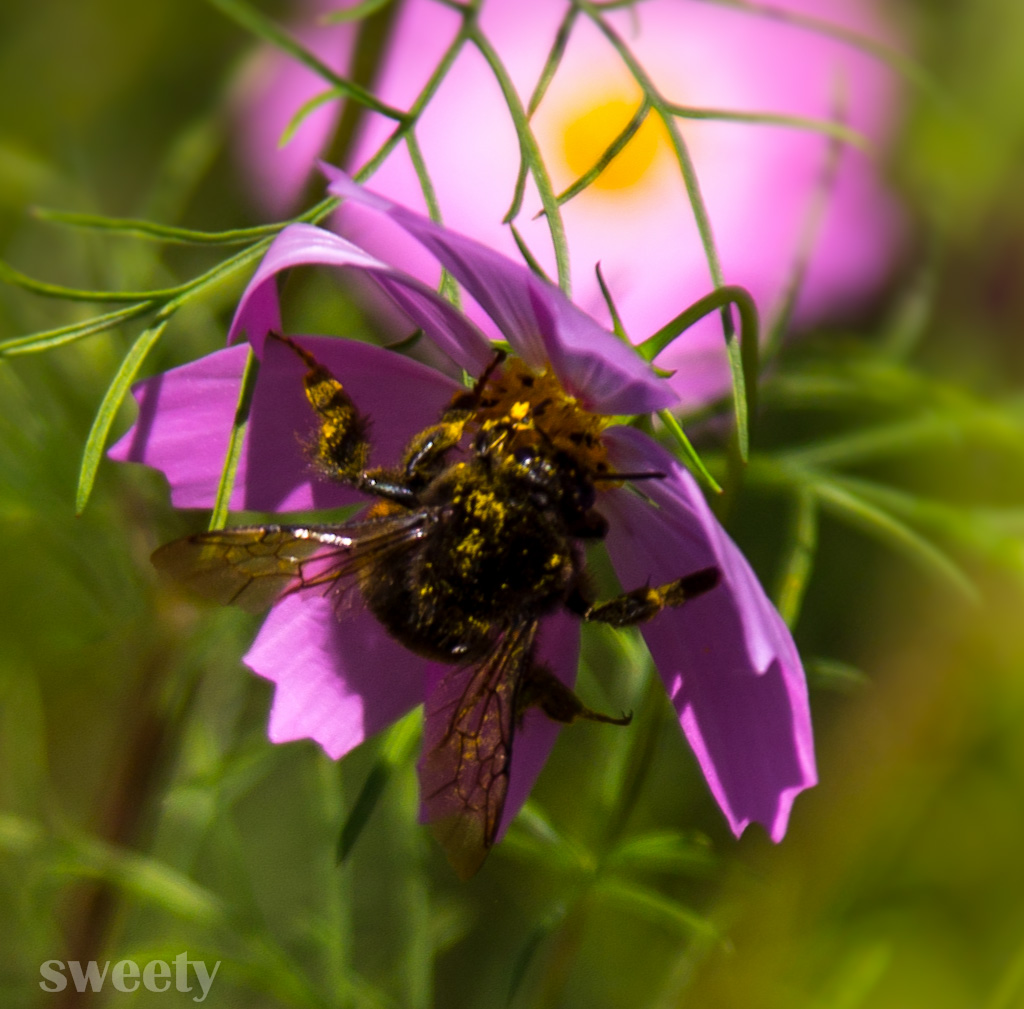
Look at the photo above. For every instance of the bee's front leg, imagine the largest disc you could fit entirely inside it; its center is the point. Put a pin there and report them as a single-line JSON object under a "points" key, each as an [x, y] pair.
{"points": [[425, 455], [641, 605], [341, 447]]}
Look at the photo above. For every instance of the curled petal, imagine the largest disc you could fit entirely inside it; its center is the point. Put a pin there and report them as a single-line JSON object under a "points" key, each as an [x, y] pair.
{"points": [[303, 244], [339, 678], [728, 661], [186, 414], [539, 322]]}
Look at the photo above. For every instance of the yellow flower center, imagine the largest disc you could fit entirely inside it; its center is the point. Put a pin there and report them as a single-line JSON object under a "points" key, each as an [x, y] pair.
{"points": [[589, 131]]}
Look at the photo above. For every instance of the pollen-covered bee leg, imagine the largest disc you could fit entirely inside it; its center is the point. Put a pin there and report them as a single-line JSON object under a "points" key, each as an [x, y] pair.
{"points": [[540, 688], [641, 605], [424, 455], [341, 448]]}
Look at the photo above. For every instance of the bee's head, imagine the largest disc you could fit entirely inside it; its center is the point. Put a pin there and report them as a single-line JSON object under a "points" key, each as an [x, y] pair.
{"points": [[554, 479]]}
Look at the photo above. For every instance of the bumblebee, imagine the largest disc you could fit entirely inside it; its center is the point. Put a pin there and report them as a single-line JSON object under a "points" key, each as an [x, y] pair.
{"points": [[475, 535]]}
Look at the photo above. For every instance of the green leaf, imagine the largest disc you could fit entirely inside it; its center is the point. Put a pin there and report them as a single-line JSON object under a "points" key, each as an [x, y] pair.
{"points": [[97, 439], [548, 925], [222, 504], [743, 354], [50, 338], [607, 155], [154, 231], [262, 27], [398, 748], [357, 12], [307, 107], [827, 127], [799, 562], [830, 674], [530, 152], [617, 327], [646, 903], [527, 253], [664, 851], [691, 460], [9, 275], [847, 505], [90, 858]]}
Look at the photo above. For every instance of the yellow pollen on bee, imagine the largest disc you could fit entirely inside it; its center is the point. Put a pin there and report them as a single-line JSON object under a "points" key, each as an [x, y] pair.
{"points": [[542, 412]]}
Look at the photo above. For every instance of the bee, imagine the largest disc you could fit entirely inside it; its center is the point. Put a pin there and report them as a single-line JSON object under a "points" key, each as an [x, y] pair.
{"points": [[475, 535]]}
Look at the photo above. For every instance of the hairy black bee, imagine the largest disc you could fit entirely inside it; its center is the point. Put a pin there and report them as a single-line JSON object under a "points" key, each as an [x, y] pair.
{"points": [[476, 534]]}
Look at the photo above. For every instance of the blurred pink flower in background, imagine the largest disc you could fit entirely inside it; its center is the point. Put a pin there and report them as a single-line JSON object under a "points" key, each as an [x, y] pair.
{"points": [[759, 181], [271, 89]]}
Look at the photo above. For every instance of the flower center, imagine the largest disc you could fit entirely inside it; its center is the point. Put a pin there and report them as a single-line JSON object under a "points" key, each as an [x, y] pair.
{"points": [[544, 413], [588, 132]]}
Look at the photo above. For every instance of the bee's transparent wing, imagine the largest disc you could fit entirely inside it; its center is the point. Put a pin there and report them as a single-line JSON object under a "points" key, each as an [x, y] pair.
{"points": [[254, 566], [467, 748]]}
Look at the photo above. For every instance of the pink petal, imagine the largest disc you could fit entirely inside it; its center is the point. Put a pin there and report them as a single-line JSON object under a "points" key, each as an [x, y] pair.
{"points": [[539, 322], [400, 396], [339, 678], [727, 659], [185, 417], [271, 90], [303, 244]]}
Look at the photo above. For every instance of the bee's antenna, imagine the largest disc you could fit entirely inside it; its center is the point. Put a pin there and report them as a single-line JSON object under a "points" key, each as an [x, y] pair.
{"points": [[470, 399]]}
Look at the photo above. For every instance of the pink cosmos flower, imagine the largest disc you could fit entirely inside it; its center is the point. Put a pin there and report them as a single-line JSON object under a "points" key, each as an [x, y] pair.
{"points": [[759, 181], [727, 660]]}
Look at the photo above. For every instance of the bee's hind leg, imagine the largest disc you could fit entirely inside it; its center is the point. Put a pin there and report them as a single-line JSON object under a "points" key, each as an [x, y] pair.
{"points": [[540, 688], [641, 605]]}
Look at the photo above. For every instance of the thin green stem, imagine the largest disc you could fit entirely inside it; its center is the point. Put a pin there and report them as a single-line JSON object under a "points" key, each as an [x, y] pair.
{"points": [[262, 27], [222, 504], [530, 152]]}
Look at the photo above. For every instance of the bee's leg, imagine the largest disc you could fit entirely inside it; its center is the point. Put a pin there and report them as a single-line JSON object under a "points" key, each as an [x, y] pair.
{"points": [[540, 688], [341, 448], [641, 605], [424, 455]]}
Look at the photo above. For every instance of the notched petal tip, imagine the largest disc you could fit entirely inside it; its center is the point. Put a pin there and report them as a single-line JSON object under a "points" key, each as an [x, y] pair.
{"points": [[329, 686], [727, 659]]}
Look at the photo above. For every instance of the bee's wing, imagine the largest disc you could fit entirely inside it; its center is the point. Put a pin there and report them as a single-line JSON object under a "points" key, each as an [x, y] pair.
{"points": [[253, 566], [467, 748]]}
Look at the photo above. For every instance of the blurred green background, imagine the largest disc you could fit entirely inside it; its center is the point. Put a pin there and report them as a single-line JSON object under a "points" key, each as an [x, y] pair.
{"points": [[142, 812]]}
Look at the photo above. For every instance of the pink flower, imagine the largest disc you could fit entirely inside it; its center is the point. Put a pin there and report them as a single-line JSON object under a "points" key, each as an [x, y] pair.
{"points": [[727, 660], [759, 181], [270, 91]]}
